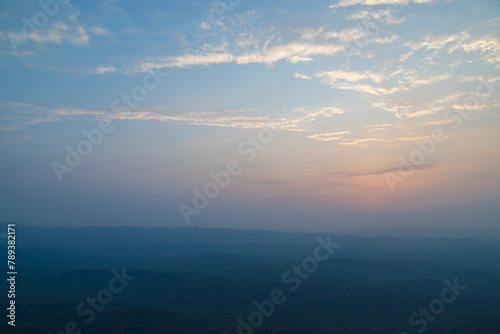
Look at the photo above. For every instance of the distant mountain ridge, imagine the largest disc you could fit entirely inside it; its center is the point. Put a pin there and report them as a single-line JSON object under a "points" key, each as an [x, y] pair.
{"points": [[196, 234], [479, 233]]}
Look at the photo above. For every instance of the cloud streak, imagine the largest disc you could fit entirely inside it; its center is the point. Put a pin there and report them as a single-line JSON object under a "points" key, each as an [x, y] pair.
{"points": [[388, 170]]}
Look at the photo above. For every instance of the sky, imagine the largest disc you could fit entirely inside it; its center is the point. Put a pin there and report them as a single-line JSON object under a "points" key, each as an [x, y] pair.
{"points": [[297, 115]]}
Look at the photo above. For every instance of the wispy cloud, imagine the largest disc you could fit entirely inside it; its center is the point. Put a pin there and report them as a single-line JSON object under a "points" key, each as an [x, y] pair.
{"points": [[105, 69], [385, 140], [487, 47], [184, 61], [293, 52], [5, 140], [354, 34], [16, 116], [328, 136], [57, 31], [388, 170], [348, 3], [19, 115], [381, 15], [335, 77], [302, 76]]}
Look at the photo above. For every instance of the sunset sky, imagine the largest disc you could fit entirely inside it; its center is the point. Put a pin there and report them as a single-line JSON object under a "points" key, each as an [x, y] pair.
{"points": [[323, 106]]}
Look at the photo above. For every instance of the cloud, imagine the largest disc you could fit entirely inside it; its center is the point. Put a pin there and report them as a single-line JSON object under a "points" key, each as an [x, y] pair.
{"points": [[294, 52], [184, 61], [356, 34], [407, 106], [289, 51], [364, 141], [380, 83], [299, 59], [302, 76], [348, 80], [21, 114], [329, 111], [334, 77], [437, 42], [351, 83], [429, 79], [105, 69], [100, 31], [348, 3], [378, 127], [487, 46], [310, 33], [56, 32], [388, 170], [379, 15], [328, 136], [306, 115]]}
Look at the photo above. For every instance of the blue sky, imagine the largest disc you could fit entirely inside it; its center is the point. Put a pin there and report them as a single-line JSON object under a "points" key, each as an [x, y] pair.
{"points": [[370, 90]]}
